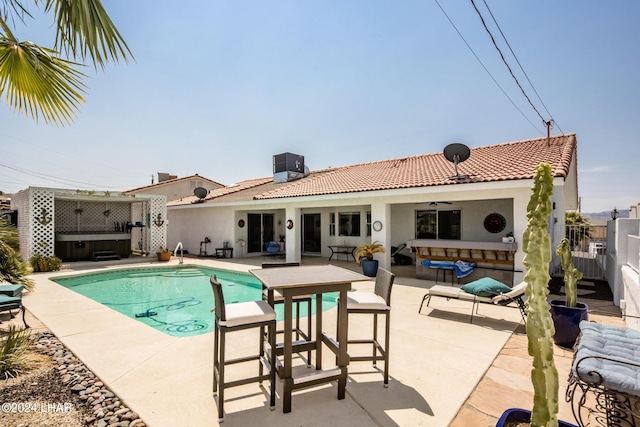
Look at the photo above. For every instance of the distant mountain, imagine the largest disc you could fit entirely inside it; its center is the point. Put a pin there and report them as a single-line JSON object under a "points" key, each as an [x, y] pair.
{"points": [[622, 213]]}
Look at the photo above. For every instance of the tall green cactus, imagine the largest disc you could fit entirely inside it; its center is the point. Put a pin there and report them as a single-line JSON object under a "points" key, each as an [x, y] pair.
{"points": [[571, 273], [536, 244]]}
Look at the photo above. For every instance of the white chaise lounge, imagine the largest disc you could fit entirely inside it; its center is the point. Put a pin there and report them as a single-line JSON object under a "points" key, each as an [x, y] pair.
{"points": [[485, 290]]}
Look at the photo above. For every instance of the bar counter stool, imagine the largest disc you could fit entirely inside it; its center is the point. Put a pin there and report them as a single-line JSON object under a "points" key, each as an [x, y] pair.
{"points": [[376, 302], [236, 317]]}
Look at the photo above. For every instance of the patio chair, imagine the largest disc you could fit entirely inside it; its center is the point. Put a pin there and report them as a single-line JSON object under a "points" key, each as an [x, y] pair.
{"points": [[11, 299], [278, 299], [485, 290], [376, 302], [236, 317]]}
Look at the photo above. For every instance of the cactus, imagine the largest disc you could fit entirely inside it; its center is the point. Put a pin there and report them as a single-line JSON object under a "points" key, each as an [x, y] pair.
{"points": [[540, 330], [571, 273]]}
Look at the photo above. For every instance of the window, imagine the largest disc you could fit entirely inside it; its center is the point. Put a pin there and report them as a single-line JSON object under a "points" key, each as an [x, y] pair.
{"points": [[432, 224], [368, 223], [349, 224], [332, 224], [426, 225]]}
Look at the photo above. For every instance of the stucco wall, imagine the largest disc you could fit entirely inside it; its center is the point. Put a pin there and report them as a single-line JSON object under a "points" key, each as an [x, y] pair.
{"points": [[623, 242], [191, 224]]}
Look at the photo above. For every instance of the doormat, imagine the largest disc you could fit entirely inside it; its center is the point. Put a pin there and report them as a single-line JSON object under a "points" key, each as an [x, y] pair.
{"points": [[588, 289]]}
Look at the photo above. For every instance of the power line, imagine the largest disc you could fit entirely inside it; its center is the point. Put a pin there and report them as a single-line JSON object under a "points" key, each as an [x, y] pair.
{"points": [[546, 122], [51, 177], [493, 40], [515, 57], [485, 68]]}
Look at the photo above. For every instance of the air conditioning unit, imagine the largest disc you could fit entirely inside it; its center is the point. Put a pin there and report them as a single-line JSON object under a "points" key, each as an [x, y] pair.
{"points": [[288, 167]]}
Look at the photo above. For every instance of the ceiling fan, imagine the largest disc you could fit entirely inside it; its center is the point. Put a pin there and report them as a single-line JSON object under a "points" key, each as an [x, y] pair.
{"points": [[439, 203]]}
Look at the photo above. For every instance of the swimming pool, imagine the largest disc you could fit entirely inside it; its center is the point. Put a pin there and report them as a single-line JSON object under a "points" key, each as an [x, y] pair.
{"points": [[174, 300]]}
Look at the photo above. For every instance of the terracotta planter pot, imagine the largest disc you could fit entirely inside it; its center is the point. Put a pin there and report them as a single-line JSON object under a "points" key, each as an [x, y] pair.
{"points": [[163, 256]]}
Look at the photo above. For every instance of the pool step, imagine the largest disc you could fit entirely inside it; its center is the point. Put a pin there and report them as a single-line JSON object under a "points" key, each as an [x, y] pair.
{"points": [[104, 255]]}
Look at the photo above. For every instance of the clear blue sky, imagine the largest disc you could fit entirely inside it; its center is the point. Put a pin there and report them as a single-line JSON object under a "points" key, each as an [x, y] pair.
{"points": [[219, 87]]}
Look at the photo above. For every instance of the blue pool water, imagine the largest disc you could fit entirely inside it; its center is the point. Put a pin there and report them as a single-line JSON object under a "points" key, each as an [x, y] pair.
{"points": [[173, 300]]}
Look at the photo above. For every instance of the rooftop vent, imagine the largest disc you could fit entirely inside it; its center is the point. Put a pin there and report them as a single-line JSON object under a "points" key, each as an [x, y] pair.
{"points": [[288, 167]]}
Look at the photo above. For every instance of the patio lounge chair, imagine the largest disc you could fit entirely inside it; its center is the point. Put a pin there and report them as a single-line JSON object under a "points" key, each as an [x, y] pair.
{"points": [[485, 290], [11, 299]]}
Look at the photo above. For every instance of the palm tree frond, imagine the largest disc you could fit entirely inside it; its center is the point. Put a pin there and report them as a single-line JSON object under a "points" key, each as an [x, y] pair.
{"points": [[37, 82], [85, 29]]}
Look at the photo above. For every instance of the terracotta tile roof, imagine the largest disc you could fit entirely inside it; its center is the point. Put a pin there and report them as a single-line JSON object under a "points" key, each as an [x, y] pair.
{"points": [[501, 162], [218, 193], [171, 181]]}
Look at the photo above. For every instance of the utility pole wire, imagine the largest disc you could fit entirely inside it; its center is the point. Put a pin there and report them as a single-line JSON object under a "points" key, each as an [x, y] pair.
{"points": [[506, 63], [552, 120], [485, 68]]}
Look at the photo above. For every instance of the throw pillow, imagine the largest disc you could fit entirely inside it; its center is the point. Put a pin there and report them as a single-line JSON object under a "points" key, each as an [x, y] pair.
{"points": [[486, 287]]}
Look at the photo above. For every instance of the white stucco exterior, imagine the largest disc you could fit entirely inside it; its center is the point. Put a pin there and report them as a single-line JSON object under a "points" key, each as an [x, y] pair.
{"points": [[396, 209]]}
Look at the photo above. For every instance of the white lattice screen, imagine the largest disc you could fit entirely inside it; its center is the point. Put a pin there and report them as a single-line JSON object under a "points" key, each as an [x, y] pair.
{"points": [[158, 233], [77, 216], [42, 221]]}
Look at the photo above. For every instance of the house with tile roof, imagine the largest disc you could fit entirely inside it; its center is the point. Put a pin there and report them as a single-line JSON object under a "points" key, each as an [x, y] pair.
{"points": [[173, 187], [420, 200]]}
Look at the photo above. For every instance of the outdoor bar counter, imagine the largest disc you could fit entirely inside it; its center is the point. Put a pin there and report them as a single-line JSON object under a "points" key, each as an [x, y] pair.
{"points": [[496, 256], [74, 246]]}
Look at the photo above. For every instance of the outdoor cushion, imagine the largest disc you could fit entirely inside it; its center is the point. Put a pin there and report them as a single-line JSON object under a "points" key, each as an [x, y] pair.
{"points": [[8, 303], [486, 287], [273, 247], [610, 356], [11, 290], [365, 301], [244, 313]]}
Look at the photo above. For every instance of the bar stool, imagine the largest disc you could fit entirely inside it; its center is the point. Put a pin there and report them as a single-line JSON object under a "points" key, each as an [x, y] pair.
{"points": [[236, 317], [376, 302], [303, 299]]}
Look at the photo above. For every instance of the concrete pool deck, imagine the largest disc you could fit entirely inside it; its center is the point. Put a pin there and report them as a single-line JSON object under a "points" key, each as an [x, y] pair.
{"points": [[437, 357]]}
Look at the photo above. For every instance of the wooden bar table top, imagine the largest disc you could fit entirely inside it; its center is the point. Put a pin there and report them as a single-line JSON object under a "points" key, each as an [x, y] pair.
{"points": [[306, 280]]}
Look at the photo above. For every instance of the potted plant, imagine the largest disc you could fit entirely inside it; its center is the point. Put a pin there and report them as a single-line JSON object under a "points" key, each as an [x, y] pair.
{"points": [[536, 244], [567, 314], [164, 254], [364, 256], [282, 237]]}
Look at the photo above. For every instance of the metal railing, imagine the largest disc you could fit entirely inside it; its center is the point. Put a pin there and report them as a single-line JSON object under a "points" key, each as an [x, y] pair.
{"points": [[589, 249]]}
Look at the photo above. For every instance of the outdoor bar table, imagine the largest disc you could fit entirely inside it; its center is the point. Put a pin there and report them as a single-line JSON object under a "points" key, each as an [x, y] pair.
{"points": [[306, 280]]}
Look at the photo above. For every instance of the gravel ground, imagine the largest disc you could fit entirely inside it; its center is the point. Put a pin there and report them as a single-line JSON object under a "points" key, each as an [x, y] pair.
{"points": [[39, 398], [60, 391]]}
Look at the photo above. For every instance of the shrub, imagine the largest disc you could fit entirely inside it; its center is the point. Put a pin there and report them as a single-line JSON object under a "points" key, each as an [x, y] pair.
{"points": [[41, 263], [15, 357], [12, 268]]}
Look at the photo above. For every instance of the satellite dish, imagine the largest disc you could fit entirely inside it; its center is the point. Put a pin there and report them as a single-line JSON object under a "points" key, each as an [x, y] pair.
{"points": [[200, 193], [457, 153]]}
